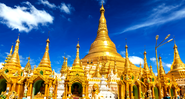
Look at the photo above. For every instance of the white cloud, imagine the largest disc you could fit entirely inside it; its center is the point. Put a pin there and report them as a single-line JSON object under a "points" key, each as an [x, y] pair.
{"points": [[66, 8], [7, 53], [24, 18], [156, 74], [122, 53], [58, 62], [153, 59], [22, 59], [1, 66], [46, 3], [136, 60], [167, 65], [160, 15], [100, 1], [67, 56]]}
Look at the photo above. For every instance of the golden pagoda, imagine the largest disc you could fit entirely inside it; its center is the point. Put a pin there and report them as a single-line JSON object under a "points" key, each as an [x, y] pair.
{"points": [[76, 83], [104, 48]]}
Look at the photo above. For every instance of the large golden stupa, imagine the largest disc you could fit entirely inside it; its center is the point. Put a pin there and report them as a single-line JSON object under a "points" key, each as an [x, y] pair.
{"points": [[104, 49]]}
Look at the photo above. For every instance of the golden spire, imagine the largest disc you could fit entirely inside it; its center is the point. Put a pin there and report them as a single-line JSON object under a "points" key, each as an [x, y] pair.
{"points": [[77, 59], [145, 63], [127, 62], [15, 61], [102, 21], [10, 55], [45, 63], [161, 69], [28, 66], [177, 62], [97, 72]]}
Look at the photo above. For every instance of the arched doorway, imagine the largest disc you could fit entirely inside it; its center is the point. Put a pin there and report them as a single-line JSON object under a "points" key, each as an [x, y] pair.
{"points": [[38, 87], [156, 91], [76, 89], [135, 92], [2, 85]]}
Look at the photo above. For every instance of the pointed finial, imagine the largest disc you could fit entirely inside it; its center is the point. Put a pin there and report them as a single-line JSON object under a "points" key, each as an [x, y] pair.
{"points": [[159, 54], [144, 47], [174, 40], [78, 45], [17, 41], [126, 43], [18, 35], [29, 58], [102, 8]]}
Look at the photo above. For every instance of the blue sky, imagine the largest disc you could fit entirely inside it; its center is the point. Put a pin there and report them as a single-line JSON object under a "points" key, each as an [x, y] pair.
{"points": [[67, 20]]}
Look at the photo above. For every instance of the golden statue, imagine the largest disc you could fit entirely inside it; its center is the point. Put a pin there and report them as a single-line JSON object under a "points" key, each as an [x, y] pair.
{"points": [[76, 90]]}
